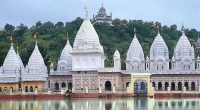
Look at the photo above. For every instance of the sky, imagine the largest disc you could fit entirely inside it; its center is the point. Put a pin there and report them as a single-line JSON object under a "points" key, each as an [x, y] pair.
{"points": [[167, 12]]}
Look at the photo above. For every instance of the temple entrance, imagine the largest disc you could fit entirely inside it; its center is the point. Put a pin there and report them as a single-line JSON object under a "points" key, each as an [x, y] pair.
{"points": [[107, 86], [26, 89], [140, 87], [179, 86], [20, 86], [63, 85], [127, 84], [173, 86], [159, 86], [193, 86], [31, 89], [70, 85], [11, 88], [166, 85], [186, 85], [153, 84], [56, 86]]}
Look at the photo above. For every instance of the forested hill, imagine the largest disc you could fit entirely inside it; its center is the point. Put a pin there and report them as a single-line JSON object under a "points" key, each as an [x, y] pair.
{"points": [[52, 38]]}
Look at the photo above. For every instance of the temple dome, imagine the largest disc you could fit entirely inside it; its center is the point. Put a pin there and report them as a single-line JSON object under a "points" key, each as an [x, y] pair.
{"points": [[65, 55], [116, 54], [135, 50], [36, 60], [11, 61], [102, 10], [159, 48], [183, 48], [87, 39]]}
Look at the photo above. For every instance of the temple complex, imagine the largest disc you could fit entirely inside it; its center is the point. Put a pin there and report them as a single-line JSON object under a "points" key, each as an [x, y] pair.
{"points": [[81, 67]]}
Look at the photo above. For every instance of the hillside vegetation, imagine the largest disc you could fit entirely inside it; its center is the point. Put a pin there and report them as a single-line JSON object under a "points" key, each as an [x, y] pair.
{"points": [[52, 38]]}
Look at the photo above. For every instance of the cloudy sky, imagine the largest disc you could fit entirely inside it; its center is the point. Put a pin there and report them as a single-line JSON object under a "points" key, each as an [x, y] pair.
{"points": [[167, 12]]}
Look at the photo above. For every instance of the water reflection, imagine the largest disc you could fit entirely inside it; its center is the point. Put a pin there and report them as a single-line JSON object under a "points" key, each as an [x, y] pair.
{"points": [[103, 104]]}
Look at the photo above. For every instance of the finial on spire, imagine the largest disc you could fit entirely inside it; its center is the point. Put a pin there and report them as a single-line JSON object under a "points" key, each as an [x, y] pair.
{"points": [[34, 36], [67, 34], [158, 29], [182, 28], [134, 30], [102, 3], [11, 38], [85, 8]]}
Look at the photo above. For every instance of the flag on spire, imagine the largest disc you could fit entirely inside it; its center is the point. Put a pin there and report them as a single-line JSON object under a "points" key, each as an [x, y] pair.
{"points": [[11, 38], [85, 8], [34, 36], [157, 27]]}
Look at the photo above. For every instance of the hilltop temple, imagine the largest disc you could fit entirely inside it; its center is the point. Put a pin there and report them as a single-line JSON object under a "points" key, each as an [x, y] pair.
{"points": [[81, 67], [102, 17]]}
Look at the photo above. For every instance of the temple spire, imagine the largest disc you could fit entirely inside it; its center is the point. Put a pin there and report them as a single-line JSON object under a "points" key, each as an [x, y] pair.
{"points": [[85, 8], [183, 29], [11, 40], [158, 30], [134, 32], [35, 37], [67, 37]]}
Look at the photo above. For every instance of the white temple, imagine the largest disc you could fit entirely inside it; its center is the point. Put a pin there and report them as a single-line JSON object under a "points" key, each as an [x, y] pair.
{"points": [[87, 52], [11, 67]]}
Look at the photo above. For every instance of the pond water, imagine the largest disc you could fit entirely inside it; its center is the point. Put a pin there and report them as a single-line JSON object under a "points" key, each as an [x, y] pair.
{"points": [[103, 104]]}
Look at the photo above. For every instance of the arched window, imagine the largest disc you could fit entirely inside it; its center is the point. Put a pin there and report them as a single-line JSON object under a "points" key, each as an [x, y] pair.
{"points": [[31, 89], [56, 86], [26, 89], [166, 85], [108, 86], [63, 85], [159, 86]]}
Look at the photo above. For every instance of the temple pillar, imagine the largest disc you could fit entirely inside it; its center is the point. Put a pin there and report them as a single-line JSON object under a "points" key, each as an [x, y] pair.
{"points": [[114, 90], [36, 91], [189, 86], [49, 91], [72, 89], [199, 88], [86, 89], [23, 91], [100, 90], [184, 89], [156, 86], [10, 92], [168, 89]]}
